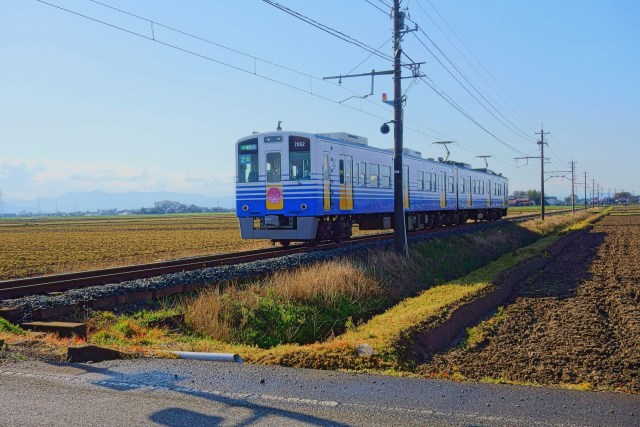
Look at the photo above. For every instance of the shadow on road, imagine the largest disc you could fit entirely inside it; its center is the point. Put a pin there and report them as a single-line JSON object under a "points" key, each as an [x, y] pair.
{"points": [[185, 417], [174, 417]]}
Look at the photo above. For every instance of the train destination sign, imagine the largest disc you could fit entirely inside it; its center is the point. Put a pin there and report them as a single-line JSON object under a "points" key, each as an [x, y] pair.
{"points": [[299, 143]]}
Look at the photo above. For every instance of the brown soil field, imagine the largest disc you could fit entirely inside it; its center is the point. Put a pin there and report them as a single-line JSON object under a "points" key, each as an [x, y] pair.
{"points": [[40, 246], [32, 247], [576, 323]]}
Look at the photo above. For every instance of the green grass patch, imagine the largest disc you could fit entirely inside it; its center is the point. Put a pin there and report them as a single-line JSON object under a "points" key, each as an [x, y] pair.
{"points": [[7, 327]]}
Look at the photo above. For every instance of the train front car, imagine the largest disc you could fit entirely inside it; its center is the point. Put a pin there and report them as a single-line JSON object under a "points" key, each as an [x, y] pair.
{"points": [[279, 186]]}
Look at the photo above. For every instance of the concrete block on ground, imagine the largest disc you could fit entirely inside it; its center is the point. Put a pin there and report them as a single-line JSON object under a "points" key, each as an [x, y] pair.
{"points": [[51, 312], [135, 297], [91, 353], [104, 302], [170, 290], [11, 314], [63, 329]]}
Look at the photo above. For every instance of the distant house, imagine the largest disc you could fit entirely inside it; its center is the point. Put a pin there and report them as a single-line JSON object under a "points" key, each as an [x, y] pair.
{"points": [[552, 201]]}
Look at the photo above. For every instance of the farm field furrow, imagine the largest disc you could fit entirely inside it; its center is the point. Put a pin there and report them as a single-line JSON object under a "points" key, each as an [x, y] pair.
{"points": [[37, 247], [576, 323]]}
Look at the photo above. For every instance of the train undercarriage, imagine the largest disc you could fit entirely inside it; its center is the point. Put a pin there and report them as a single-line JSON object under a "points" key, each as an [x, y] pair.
{"points": [[336, 228]]}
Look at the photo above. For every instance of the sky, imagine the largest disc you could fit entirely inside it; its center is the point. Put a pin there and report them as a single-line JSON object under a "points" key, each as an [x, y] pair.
{"points": [[86, 106]]}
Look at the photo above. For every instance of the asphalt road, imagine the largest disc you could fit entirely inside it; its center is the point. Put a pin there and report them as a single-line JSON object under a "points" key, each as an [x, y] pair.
{"points": [[193, 393]]}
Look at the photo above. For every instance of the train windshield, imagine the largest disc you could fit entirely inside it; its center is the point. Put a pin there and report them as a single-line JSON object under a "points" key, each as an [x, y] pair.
{"points": [[299, 158], [248, 160]]}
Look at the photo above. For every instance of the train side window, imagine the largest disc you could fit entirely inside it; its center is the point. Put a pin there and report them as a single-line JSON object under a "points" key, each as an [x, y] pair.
{"points": [[374, 171], [428, 184], [341, 169], [363, 173], [274, 169], [452, 187], [463, 187], [420, 181], [356, 173], [385, 177]]}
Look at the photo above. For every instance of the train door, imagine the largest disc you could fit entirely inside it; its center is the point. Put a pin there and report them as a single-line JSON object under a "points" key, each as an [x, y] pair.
{"points": [[405, 186], [326, 179], [275, 198], [346, 182], [504, 195], [489, 195], [469, 191], [442, 186]]}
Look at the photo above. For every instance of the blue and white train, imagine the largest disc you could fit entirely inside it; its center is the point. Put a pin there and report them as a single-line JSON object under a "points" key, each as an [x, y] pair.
{"points": [[297, 186]]}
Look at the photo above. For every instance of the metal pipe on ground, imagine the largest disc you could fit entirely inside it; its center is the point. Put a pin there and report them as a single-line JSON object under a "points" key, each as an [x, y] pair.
{"points": [[213, 357]]}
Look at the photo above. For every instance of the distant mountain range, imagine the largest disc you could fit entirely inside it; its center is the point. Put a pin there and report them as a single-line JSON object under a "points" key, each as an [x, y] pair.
{"points": [[96, 200]]}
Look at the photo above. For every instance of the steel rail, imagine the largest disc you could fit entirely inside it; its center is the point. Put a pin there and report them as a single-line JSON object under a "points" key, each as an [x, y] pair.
{"points": [[16, 288]]}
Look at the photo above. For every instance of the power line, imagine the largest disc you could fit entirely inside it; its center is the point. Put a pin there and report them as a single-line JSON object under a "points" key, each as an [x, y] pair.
{"points": [[474, 56], [473, 86], [450, 101], [370, 55], [208, 58], [328, 29], [254, 73], [466, 89], [378, 7]]}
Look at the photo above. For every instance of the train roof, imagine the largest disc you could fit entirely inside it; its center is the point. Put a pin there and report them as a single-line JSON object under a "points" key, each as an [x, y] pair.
{"points": [[360, 141]]}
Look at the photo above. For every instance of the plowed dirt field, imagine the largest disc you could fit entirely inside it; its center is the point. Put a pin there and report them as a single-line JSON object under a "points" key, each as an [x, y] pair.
{"points": [[577, 322]]}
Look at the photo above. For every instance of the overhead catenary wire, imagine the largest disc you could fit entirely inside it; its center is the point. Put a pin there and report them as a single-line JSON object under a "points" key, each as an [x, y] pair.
{"points": [[386, 12], [450, 101], [526, 114], [518, 115], [515, 129], [327, 29], [467, 89], [217, 61]]}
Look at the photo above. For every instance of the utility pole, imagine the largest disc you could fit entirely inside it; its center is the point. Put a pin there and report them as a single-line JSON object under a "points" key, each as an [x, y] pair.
{"points": [[573, 187], [593, 190], [585, 190], [398, 196], [399, 28], [542, 133]]}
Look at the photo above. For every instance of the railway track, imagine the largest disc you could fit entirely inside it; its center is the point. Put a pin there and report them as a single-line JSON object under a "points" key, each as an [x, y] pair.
{"points": [[17, 288]]}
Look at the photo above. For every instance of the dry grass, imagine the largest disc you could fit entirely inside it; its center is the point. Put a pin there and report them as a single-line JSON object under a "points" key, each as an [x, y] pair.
{"points": [[327, 281], [224, 314], [556, 223]]}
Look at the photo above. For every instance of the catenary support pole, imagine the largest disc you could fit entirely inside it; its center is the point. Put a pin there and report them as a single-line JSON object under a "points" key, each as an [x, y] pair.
{"points": [[400, 232]]}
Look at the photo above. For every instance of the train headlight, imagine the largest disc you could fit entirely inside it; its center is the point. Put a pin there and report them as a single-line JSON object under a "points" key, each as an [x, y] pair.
{"points": [[245, 208], [304, 206]]}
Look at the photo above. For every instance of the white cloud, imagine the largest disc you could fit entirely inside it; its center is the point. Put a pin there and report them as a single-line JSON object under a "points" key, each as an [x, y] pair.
{"points": [[26, 179]]}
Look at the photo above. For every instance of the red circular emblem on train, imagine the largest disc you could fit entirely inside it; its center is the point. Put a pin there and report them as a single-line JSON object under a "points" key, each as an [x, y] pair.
{"points": [[274, 195]]}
